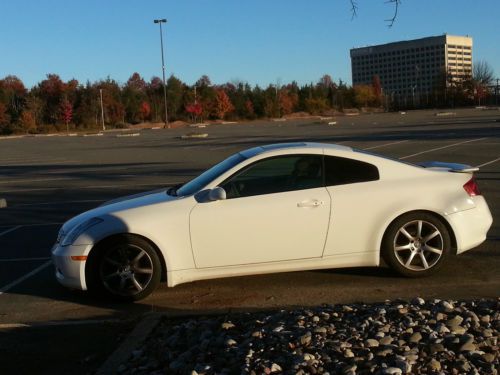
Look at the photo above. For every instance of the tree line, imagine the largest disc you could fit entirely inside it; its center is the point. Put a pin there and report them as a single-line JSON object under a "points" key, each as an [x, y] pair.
{"points": [[55, 105]]}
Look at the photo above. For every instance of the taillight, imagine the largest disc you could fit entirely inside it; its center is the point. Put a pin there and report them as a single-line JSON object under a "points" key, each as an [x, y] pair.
{"points": [[471, 188]]}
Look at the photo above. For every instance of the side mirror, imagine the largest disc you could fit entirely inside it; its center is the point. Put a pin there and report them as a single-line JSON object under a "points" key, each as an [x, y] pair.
{"points": [[217, 194]]}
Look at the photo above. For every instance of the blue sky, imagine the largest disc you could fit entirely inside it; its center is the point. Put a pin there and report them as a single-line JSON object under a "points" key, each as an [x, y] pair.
{"points": [[258, 41]]}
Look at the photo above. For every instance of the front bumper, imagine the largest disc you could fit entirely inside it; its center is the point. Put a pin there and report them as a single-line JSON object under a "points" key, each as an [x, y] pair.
{"points": [[69, 272], [471, 226]]}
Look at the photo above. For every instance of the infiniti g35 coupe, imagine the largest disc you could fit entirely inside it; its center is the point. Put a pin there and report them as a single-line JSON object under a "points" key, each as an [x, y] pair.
{"points": [[276, 208]]}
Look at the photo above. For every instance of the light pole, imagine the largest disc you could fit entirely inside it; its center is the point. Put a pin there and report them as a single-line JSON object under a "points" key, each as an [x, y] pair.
{"points": [[160, 21]]}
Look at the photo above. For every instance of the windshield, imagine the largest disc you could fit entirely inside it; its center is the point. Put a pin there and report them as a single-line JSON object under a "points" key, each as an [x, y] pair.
{"points": [[209, 175]]}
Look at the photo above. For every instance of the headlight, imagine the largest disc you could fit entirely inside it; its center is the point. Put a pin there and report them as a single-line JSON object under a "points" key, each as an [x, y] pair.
{"points": [[74, 233]]}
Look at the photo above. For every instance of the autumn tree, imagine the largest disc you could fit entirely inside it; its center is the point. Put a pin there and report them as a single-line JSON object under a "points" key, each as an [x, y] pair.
{"points": [[377, 90], [222, 104], [145, 111], [27, 121], [134, 94], [51, 92], [114, 108], [4, 120], [13, 94], [364, 95], [66, 113]]}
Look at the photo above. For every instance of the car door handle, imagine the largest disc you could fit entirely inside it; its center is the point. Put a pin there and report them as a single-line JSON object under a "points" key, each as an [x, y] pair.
{"points": [[310, 203]]}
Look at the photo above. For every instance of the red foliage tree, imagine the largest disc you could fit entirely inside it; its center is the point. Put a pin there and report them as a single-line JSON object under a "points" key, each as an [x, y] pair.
{"points": [[145, 110], [66, 113], [194, 109]]}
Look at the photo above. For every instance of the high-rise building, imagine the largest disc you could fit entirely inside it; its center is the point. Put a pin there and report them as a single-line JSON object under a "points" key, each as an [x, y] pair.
{"points": [[413, 67]]}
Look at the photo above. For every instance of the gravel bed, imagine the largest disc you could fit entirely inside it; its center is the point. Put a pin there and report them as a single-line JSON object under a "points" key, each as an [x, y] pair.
{"points": [[394, 337]]}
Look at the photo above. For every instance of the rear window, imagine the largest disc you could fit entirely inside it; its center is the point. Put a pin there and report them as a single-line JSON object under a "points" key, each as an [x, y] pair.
{"points": [[341, 171]]}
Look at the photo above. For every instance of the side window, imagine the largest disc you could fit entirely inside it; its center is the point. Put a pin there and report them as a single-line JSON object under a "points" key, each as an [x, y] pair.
{"points": [[341, 171], [275, 175]]}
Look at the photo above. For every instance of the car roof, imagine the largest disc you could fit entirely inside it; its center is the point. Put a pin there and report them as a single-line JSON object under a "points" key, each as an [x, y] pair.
{"points": [[251, 152]]}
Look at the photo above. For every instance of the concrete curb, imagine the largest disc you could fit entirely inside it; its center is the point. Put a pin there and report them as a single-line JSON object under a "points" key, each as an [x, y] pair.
{"points": [[134, 340]]}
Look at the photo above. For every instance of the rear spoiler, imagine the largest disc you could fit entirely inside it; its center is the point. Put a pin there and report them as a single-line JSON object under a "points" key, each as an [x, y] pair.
{"points": [[451, 167]]}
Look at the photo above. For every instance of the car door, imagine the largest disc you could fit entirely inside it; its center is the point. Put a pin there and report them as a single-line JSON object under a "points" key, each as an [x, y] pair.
{"points": [[277, 209]]}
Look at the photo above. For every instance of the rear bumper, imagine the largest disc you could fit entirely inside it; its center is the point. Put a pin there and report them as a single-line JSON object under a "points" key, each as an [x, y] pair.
{"points": [[471, 226], [70, 273]]}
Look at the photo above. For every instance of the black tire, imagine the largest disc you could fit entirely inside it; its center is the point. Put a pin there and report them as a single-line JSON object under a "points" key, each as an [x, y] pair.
{"points": [[414, 252], [125, 268]]}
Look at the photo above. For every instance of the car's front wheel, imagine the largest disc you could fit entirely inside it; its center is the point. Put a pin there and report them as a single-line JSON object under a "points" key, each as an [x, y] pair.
{"points": [[416, 244], [125, 268]]}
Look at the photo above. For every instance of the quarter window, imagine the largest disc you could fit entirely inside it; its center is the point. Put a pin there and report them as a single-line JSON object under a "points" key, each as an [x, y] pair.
{"points": [[341, 171]]}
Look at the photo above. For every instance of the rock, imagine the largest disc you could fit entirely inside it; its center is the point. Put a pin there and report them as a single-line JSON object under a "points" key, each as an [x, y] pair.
{"points": [[121, 368], [468, 347], [308, 357], [386, 340], [488, 357], [462, 365], [436, 348], [455, 321], [371, 343], [447, 306], [305, 340], [434, 365], [440, 316], [315, 319], [487, 333], [485, 319], [393, 370], [320, 330], [276, 368], [403, 365], [441, 328], [384, 352], [416, 337], [418, 301], [458, 330], [227, 325], [230, 342], [348, 353], [350, 369]]}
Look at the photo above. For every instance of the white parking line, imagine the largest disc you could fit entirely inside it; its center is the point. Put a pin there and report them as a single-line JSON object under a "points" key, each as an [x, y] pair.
{"points": [[9, 230], [385, 144], [24, 259], [442, 147], [487, 163], [8, 287]]}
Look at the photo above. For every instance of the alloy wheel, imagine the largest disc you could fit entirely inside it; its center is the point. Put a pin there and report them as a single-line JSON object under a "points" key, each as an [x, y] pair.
{"points": [[418, 245], [126, 270]]}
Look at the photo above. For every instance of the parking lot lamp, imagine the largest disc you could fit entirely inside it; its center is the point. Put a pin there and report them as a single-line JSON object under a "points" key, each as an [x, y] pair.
{"points": [[160, 21]]}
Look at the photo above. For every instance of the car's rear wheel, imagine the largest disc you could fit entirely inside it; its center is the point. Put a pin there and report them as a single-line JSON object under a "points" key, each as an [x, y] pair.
{"points": [[125, 268], [416, 244]]}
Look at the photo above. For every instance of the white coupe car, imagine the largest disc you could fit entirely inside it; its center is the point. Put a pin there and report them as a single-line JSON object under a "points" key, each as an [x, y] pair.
{"points": [[276, 208]]}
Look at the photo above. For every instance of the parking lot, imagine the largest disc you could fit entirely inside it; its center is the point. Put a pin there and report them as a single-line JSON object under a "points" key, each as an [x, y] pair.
{"points": [[47, 180]]}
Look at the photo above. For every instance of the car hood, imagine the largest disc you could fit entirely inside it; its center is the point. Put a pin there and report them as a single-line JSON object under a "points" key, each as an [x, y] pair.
{"points": [[120, 204]]}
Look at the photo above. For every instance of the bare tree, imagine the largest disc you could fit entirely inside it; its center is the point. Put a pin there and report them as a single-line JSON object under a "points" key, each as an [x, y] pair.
{"points": [[483, 73], [390, 21]]}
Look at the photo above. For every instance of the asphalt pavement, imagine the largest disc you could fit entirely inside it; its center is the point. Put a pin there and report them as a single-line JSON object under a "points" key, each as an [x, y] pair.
{"points": [[47, 180]]}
